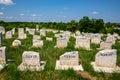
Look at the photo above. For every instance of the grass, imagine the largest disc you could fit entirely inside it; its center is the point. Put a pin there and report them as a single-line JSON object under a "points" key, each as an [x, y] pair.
{"points": [[50, 54]]}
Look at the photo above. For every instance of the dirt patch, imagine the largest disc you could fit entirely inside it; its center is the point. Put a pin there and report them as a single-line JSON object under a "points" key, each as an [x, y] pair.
{"points": [[86, 75]]}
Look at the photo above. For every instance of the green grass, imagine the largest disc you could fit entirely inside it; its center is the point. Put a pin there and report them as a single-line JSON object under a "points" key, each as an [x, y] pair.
{"points": [[50, 54]]}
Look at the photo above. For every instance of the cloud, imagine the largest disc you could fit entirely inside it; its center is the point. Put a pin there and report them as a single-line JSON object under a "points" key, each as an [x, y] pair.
{"points": [[95, 12], [1, 13], [34, 15], [6, 2], [22, 14]]}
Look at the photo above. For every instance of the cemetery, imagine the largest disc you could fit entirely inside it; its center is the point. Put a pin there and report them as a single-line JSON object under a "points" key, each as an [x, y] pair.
{"points": [[45, 50]]}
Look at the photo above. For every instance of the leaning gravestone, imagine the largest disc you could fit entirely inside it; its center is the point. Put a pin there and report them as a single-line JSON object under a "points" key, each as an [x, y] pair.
{"points": [[83, 42], [31, 61], [69, 60], [2, 57], [105, 61]]}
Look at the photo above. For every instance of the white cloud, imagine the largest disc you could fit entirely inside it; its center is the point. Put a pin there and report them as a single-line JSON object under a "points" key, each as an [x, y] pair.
{"points": [[21, 14], [1, 13], [6, 2], [95, 12], [34, 15]]}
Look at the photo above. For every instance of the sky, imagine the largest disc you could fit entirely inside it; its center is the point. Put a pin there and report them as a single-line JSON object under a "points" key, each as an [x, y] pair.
{"points": [[59, 10]]}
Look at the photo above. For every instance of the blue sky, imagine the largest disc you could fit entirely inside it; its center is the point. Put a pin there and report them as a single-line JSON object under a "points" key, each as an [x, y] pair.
{"points": [[59, 10]]}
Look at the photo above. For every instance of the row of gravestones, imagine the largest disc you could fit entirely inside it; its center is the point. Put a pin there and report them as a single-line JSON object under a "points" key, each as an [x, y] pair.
{"points": [[105, 61], [82, 40]]}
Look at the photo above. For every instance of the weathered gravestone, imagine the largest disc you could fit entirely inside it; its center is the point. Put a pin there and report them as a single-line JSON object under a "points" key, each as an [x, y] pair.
{"points": [[105, 61], [82, 42], [105, 45], [2, 57], [42, 32], [37, 43], [0, 38], [96, 38], [111, 39], [31, 31], [16, 43], [69, 60], [13, 31], [8, 35], [2, 29], [21, 34], [31, 61], [49, 39], [36, 37], [77, 33], [61, 42], [37, 27]]}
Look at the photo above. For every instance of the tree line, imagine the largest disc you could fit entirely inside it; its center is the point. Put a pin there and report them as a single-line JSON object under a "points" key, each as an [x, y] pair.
{"points": [[83, 25]]}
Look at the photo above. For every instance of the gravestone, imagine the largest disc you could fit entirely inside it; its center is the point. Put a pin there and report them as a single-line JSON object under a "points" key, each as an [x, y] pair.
{"points": [[2, 29], [8, 34], [31, 61], [0, 38], [16, 43], [37, 28], [96, 38], [2, 57], [42, 32], [61, 42], [69, 60], [77, 33], [21, 34], [105, 45], [31, 31], [49, 39], [111, 39], [13, 31], [83, 42], [105, 61], [37, 43], [36, 37]]}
